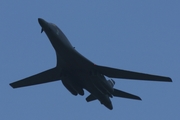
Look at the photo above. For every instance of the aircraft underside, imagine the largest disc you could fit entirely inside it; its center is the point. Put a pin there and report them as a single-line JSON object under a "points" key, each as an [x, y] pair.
{"points": [[78, 73]]}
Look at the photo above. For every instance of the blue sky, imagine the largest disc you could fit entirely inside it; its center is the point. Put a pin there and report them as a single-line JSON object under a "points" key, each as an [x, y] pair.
{"points": [[140, 35]]}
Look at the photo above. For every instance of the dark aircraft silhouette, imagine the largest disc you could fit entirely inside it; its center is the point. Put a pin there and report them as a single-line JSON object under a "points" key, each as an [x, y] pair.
{"points": [[78, 73]]}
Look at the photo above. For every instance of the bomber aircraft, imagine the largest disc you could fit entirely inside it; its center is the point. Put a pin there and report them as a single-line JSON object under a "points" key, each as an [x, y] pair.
{"points": [[77, 73]]}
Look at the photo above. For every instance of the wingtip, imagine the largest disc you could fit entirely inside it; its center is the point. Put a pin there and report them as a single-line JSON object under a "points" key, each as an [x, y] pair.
{"points": [[12, 85], [165, 79], [139, 99], [170, 80]]}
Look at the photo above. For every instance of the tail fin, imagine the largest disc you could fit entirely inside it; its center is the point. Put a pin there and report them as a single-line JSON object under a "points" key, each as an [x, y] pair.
{"points": [[116, 93], [119, 93]]}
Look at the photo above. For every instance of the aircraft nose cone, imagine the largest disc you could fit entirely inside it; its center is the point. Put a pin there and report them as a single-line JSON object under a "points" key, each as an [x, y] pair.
{"points": [[42, 22]]}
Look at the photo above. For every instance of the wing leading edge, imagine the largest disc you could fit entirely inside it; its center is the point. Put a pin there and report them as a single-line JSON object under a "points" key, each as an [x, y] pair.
{"points": [[43, 77], [124, 74]]}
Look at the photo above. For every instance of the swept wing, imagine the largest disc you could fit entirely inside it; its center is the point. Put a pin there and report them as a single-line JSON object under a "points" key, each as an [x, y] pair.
{"points": [[125, 74], [43, 77]]}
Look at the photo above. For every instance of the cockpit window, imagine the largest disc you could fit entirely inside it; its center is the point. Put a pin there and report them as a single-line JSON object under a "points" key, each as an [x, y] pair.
{"points": [[57, 29], [53, 24], [60, 34]]}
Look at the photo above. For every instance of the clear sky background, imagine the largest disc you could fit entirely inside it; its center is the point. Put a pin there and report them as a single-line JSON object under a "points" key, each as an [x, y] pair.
{"points": [[141, 35]]}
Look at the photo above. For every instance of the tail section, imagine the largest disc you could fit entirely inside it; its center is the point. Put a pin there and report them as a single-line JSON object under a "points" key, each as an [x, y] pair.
{"points": [[116, 93], [119, 93]]}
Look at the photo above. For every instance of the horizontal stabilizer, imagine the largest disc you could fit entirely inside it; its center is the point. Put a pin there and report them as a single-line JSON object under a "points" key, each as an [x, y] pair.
{"points": [[119, 93], [90, 98], [118, 73], [43, 77]]}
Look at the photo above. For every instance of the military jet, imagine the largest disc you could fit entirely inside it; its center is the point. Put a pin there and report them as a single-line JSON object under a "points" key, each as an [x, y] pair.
{"points": [[77, 73]]}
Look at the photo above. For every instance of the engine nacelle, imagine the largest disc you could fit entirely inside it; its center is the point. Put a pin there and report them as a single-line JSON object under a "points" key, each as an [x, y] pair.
{"points": [[105, 86], [72, 85], [111, 82], [69, 88]]}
